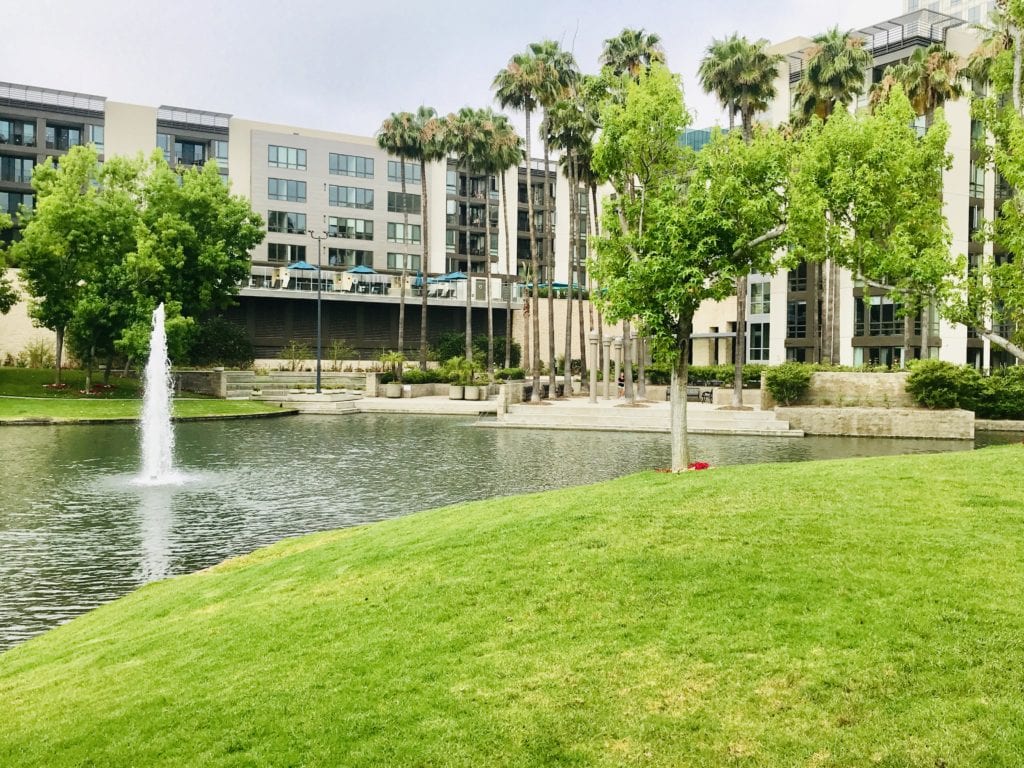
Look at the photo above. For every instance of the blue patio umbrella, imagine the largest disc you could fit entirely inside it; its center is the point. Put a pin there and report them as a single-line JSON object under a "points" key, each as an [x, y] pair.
{"points": [[300, 265], [361, 270], [452, 276]]}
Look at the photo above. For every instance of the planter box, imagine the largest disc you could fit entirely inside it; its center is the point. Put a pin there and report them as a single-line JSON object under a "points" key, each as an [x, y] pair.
{"points": [[472, 392], [393, 389], [456, 392]]}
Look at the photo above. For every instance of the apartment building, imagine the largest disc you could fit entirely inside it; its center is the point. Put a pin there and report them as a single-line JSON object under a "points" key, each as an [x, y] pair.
{"points": [[971, 11]]}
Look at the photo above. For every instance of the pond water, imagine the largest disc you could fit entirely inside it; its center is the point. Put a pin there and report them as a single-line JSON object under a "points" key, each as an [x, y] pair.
{"points": [[75, 532]]}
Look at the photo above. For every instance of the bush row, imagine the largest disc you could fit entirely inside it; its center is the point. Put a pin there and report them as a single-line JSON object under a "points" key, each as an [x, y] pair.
{"points": [[938, 384]]}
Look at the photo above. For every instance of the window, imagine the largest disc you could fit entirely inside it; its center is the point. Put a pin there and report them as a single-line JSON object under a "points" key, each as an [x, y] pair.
{"points": [[18, 133], [412, 172], [357, 229], [796, 355], [63, 136], [96, 136], [350, 197], [286, 189], [286, 157], [796, 320], [349, 257], [451, 212], [11, 201], [449, 241], [411, 260], [451, 181], [285, 221], [189, 152], [351, 165], [798, 278], [399, 233], [220, 152], [881, 317], [286, 252], [974, 219], [17, 169], [759, 342], [760, 298], [163, 141], [977, 188], [399, 203]]}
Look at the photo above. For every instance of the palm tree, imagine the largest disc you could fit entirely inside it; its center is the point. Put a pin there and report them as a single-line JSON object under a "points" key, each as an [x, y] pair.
{"points": [[930, 77], [517, 86], [506, 152], [996, 39], [833, 74], [631, 52], [399, 136], [742, 74], [465, 133], [561, 74], [431, 149]]}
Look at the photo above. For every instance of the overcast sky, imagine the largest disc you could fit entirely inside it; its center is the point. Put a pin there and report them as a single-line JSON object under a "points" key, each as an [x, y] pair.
{"points": [[344, 66]]}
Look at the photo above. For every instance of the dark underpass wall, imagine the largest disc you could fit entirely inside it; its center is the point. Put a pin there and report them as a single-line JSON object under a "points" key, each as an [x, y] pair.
{"points": [[368, 327]]}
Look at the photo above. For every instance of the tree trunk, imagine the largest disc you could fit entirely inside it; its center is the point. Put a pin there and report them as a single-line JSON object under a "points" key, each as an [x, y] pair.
{"points": [[627, 361], [508, 271], [535, 358], [1003, 342], [424, 263], [596, 228], [680, 377], [88, 371], [584, 367], [641, 371], [487, 275], [926, 330], [107, 368], [740, 356], [469, 279], [567, 373], [908, 331], [59, 352], [550, 265], [401, 287]]}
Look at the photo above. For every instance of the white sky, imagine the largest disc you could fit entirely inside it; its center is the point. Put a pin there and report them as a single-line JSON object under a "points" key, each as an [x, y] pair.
{"points": [[344, 65]]}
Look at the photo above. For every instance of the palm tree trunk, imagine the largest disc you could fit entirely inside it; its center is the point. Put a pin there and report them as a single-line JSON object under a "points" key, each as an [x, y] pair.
{"points": [[535, 358], [487, 274], [550, 271], [596, 225], [401, 287], [567, 373], [424, 262], [680, 378], [508, 271], [469, 279], [584, 378]]}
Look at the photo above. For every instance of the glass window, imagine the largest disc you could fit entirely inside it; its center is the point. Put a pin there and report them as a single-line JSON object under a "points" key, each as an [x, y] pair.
{"points": [[798, 278], [349, 257], [411, 260], [399, 233], [350, 197], [163, 141], [189, 152], [399, 203], [760, 298], [351, 165], [286, 189], [879, 319], [10, 202], [977, 188], [449, 241], [357, 229], [412, 172], [759, 333], [284, 157], [18, 132], [451, 181], [63, 136], [796, 320], [286, 221], [96, 136], [286, 252], [17, 169]]}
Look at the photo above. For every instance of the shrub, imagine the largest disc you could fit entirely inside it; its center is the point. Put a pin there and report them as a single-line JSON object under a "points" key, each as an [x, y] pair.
{"points": [[939, 384], [1002, 394], [453, 344], [504, 374], [217, 341], [417, 376], [295, 354], [339, 351], [788, 382]]}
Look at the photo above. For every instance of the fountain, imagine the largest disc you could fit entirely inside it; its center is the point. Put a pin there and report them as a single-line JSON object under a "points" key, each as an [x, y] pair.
{"points": [[157, 433]]}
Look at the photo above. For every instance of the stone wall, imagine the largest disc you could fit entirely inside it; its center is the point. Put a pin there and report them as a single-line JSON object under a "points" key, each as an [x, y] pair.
{"points": [[213, 383], [880, 422], [879, 390]]}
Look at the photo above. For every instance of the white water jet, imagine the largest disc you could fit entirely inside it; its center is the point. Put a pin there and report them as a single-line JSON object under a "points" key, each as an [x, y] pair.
{"points": [[157, 433]]}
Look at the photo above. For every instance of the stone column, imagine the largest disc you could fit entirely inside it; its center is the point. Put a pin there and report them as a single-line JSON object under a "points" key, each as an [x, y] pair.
{"points": [[592, 351], [605, 365]]}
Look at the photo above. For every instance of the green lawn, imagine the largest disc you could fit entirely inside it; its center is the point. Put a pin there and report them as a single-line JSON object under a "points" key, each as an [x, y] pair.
{"points": [[849, 613], [25, 396]]}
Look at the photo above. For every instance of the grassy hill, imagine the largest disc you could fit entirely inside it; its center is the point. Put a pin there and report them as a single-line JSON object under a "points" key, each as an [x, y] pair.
{"points": [[850, 613]]}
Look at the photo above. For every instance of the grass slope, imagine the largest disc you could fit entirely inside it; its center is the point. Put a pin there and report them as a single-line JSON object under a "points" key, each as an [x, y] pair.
{"points": [[848, 613]]}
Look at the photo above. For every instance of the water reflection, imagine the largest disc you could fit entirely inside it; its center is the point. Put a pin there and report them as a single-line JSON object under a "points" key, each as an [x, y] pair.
{"points": [[75, 532]]}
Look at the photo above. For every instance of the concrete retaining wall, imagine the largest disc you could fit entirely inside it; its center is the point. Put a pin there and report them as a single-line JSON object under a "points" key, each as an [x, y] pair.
{"points": [[881, 422], [999, 425], [879, 390], [213, 383]]}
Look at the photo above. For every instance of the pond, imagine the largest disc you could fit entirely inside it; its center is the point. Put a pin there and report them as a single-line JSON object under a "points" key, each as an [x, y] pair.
{"points": [[75, 532]]}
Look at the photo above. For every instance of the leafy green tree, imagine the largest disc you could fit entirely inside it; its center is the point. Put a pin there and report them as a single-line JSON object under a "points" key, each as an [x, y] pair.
{"points": [[866, 193], [8, 296]]}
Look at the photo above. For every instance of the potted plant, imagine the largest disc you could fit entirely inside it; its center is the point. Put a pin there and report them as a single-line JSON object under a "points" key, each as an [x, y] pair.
{"points": [[392, 361], [459, 372]]}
